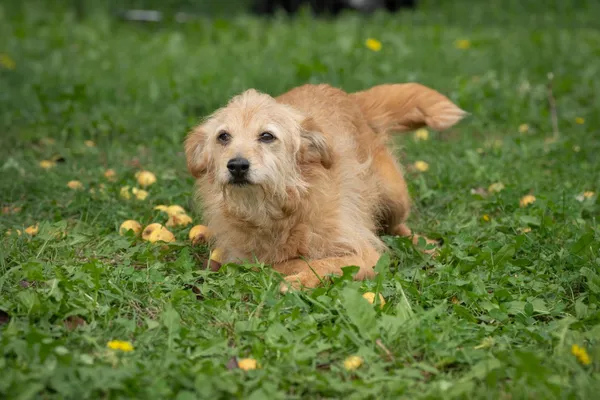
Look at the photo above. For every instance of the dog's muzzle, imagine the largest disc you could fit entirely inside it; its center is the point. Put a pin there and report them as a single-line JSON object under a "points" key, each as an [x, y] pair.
{"points": [[238, 170]]}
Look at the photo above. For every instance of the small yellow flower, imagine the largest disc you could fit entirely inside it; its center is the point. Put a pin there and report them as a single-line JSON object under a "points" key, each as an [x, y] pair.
{"points": [[496, 187], [89, 143], [32, 230], [373, 44], [527, 200], [120, 345], [75, 185], [421, 166], [353, 362], [523, 128], [145, 178], [422, 134], [124, 193], [486, 218], [47, 164], [9, 232], [370, 297], [579, 121], [462, 44], [7, 62], [247, 364], [581, 354], [139, 193]]}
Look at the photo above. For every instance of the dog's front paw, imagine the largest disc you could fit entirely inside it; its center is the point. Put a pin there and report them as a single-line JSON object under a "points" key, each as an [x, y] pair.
{"points": [[299, 281]]}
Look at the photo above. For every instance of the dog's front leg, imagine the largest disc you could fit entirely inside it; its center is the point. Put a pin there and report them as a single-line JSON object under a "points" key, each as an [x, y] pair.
{"points": [[309, 273]]}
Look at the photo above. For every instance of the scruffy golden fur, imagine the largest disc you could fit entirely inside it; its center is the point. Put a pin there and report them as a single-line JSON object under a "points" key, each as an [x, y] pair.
{"points": [[318, 194]]}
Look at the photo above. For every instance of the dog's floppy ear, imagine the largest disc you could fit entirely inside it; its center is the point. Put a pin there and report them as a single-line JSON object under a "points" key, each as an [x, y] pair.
{"points": [[196, 157], [314, 145]]}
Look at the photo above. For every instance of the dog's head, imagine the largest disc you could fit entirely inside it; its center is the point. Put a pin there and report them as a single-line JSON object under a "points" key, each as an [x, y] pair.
{"points": [[255, 141]]}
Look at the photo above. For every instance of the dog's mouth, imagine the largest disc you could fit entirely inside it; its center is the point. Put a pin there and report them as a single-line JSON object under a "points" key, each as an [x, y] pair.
{"points": [[239, 181]]}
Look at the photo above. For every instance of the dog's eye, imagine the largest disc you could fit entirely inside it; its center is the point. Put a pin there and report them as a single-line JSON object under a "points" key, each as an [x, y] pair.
{"points": [[224, 137], [266, 137]]}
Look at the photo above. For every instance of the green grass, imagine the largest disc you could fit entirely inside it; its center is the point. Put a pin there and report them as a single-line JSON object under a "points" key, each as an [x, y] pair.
{"points": [[493, 317]]}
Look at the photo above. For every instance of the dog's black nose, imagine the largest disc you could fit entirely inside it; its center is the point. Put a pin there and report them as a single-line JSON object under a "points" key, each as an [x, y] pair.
{"points": [[238, 167]]}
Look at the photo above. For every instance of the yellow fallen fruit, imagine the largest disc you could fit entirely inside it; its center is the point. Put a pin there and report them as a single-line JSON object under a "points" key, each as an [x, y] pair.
{"points": [[171, 210], [247, 364], [523, 128], [496, 187], [215, 259], [353, 362], [110, 174], [145, 178], [32, 230], [130, 225], [199, 234], [422, 134], [370, 297], [527, 200], [217, 255], [90, 143], [124, 193], [175, 210], [47, 164], [421, 166], [10, 210], [139, 194], [157, 233], [179, 220], [75, 185]]}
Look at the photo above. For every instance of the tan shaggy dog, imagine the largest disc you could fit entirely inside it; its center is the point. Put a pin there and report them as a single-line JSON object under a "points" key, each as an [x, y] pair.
{"points": [[304, 181]]}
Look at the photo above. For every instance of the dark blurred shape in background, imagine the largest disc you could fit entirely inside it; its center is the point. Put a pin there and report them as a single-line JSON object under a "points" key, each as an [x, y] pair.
{"points": [[329, 7], [184, 10]]}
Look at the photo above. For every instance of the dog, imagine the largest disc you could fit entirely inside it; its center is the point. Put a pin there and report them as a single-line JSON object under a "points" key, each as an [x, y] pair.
{"points": [[305, 182]]}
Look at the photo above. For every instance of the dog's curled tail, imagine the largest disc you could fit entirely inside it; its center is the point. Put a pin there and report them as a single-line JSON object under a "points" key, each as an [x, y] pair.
{"points": [[406, 107]]}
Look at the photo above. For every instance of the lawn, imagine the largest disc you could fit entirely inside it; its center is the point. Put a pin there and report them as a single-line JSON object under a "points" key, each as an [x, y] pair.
{"points": [[495, 316]]}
